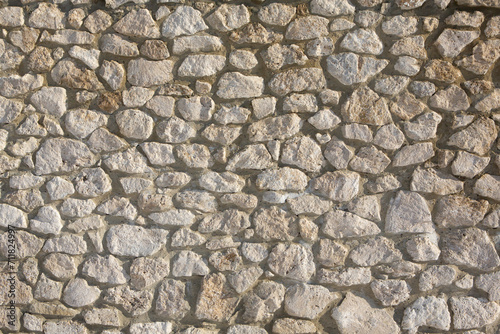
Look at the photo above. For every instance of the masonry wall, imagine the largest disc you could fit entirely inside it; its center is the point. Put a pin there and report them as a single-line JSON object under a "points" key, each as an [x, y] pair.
{"points": [[250, 167]]}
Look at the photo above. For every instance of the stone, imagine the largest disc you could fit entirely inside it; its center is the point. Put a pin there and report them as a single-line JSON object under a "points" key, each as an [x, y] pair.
{"points": [[350, 68], [366, 107], [135, 124], [11, 216], [427, 312], [144, 272], [92, 182], [375, 251], [223, 135], [297, 80], [50, 100], [101, 140], [68, 244], [261, 303], [198, 200], [173, 180], [459, 211], [147, 73], [389, 137], [275, 224], [331, 7], [408, 213], [278, 14], [493, 27], [290, 325], [136, 96], [423, 127], [308, 301], [158, 154], [9, 110], [245, 329], [216, 300], [391, 85], [11, 17], [356, 314], [197, 43], [423, 247], [98, 21], [59, 188], [244, 279], [105, 269], [471, 312], [188, 263], [15, 85], [201, 65], [185, 237], [174, 130], [436, 276], [282, 179], [322, 46], [488, 186], [162, 106], [69, 73], [228, 17], [106, 316], [62, 155], [341, 224], [406, 106], [277, 56], [307, 27], [412, 46], [304, 153], [234, 85], [47, 16], [442, 70], [435, 181], [279, 127], [408, 66], [185, 20], [151, 327], [324, 119], [391, 292], [243, 59], [138, 23], [469, 247], [194, 155], [453, 98], [362, 41], [64, 326], [171, 302], [132, 301], [68, 37], [413, 154], [47, 221], [78, 293], [400, 26], [451, 42], [490, 102], [369, 160], [487, 283], [81, 123], [129, 161], [128, 240], [118, 46], [223, 182], [339, 186], [476, 138], [292, 261], [154, 49]]}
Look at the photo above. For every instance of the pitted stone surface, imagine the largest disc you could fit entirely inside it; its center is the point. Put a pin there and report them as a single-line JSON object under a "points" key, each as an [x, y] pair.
{"points": [[204, 167]]}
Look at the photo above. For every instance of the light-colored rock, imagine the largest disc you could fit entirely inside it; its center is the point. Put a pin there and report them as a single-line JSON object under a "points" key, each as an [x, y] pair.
{"points": [[292, 261], [185, 20], [429, 312], [307, 301], [263, 301], [471, 312], [408, 213], [339, 185], [366, 107], [50, 100], [138, 23], [216, 300], [78, 293], [234, 85], [477, 137], [277, 56], [435, 181], [171, 302], [488, 186], [229, 17], [363, 41], [356, 314], [413, 154], [144, 272], [285, 178], [302, 152], [119, 46], [147, 73], [47, 16], [307, 27], [451, 42], [201, 65], [298, 80], [341, 224], [391, 292], [350, 68], [128, 240], [277, 14], [488, 283], [459, 211]]}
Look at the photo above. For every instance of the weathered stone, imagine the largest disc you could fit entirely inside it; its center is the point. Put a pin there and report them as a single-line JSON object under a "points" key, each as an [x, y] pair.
{"points": [[477, 137], [279, 127], [363, 41], [144, 272], [391, 292], [366, 107], [132, 301], [138, 23], [350, 68], [116, 45], [400, 26], [308, 301], [201, 65], [341, 224], [263, 301], [408, 213], [291, 325], [451, 42], [436, 276], [47, 16], [471, 312], [429, 312], [151, 327], [277, 14], [375, 251], [471, 248], [292, 261], [435, 181], [412, 46], [234, 85], [50, 100], [413, 154], [275, 224], [307, 27], [188, 263], [62, 155], [339, 185], [356, 314], [70, 74], [128, 240], [171, 301], [297, 80], [64, 326], [98, 21], [255, 33], [184, 20], [216, 300], [78, 293], [369, 160], [488, 186], [105, 269], [488, 283], [406, 106], [484, 55], [459, 211], [147, 73], [277, 56], [106, 316], [331, 7], [302, 152], [223, 182], [229, 17], [68, 244], [129, 161]]}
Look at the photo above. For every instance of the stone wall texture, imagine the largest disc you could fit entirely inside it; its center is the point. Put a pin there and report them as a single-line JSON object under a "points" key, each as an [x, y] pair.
{"points": [[250, 167]]}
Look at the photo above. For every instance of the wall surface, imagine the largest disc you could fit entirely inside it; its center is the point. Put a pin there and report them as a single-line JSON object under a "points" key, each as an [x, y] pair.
{"points": [[250, 167]]}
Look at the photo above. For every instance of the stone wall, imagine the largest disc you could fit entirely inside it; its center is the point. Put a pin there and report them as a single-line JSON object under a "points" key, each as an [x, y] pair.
{"points": [[250, 167]]}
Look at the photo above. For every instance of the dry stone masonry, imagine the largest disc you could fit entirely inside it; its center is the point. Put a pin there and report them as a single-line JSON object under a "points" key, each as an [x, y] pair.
{"points": [[250, 166]]}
